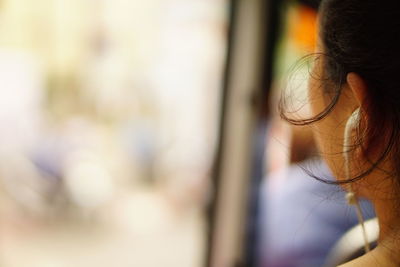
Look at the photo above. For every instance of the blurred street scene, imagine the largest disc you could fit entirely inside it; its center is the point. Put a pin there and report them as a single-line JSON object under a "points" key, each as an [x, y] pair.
{"points": [[108, 121]]}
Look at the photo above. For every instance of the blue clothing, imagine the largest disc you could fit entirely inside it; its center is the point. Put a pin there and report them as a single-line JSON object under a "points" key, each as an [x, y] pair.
{"points": [[302, 218]]}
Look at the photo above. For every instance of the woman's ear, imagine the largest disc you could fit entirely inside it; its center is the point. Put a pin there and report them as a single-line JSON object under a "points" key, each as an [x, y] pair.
{"points": [[358, 87]]}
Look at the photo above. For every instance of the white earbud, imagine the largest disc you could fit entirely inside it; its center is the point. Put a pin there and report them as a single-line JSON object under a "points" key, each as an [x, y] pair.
{"points": [[351, 124]]}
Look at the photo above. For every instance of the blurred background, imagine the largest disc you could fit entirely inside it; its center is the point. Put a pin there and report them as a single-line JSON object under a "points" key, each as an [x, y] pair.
{"points": [[109, 117], [145, 133]]}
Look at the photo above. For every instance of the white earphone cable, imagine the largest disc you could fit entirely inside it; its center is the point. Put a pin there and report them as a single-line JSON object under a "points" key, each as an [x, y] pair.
{"points": [[350, 196]]}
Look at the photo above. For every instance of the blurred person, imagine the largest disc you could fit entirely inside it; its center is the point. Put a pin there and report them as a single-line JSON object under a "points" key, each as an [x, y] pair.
{"points": [[355, 105], [302, 218], [21, 121]]}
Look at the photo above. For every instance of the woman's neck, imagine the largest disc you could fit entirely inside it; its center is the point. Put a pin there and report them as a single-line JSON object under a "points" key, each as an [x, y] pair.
{"points": [[389, 229]]}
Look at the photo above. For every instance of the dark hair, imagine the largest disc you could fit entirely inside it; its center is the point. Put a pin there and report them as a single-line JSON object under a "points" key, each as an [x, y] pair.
{"points": [[363, 36], [311, 3]]}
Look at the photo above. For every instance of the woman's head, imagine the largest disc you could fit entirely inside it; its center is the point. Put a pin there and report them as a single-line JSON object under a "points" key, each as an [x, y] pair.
{"points": [[357, 66]]}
